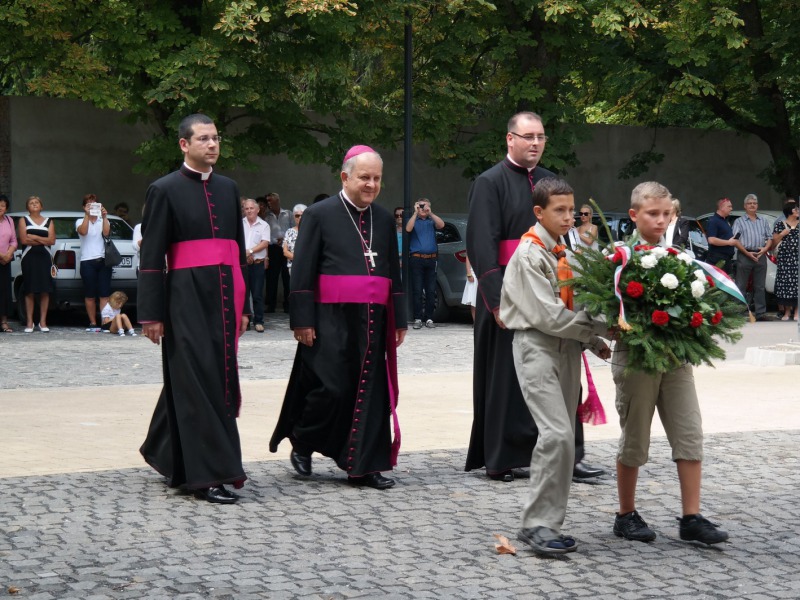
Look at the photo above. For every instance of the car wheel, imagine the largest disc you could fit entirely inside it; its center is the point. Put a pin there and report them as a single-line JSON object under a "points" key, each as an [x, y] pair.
{"points": [[441, 311]]}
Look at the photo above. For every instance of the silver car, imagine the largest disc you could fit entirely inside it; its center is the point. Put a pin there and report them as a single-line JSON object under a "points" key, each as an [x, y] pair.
{"points": [[451, 273], [67, 258]]}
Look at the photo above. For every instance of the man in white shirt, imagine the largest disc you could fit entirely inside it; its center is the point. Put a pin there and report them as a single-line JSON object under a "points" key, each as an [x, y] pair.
{"points": [[256, 239]]}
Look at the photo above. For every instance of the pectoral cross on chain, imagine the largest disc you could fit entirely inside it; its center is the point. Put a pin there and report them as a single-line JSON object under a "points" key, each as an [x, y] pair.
{"points": [[371, 256]]}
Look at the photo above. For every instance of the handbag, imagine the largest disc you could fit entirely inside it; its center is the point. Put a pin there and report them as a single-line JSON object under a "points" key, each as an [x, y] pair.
{"points": [[113, 257]]}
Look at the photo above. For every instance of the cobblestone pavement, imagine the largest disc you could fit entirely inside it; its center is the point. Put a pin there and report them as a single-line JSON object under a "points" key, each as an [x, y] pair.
{"points": [[122, 534], [59, 358]]}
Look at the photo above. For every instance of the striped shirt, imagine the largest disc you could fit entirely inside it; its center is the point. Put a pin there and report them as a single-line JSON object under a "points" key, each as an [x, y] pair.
{"points": [[754, 233]]}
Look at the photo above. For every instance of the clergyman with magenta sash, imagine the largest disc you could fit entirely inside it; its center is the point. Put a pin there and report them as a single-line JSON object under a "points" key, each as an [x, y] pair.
{"points": [[347, 310]]}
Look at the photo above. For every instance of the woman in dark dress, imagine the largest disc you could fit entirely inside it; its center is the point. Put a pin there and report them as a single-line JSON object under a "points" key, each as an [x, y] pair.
{"points": [[786, 234], [36, 233]]}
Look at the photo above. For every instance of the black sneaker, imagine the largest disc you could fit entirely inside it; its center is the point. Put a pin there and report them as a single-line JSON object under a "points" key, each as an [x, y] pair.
{"points": [[633, 527], [696, 528]]}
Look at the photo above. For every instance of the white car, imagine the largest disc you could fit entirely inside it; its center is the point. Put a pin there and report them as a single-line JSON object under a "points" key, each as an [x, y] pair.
{"points": [[67, 258]]}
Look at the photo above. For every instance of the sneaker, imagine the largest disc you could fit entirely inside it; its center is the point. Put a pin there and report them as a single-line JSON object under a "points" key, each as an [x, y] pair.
{"points": [[417, 324], [696, 528], [430, 324], [93, 329], [121, 333], [633, 527], [131, 333]]}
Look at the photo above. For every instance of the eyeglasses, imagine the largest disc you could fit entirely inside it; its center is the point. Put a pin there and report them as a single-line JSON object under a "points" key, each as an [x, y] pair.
{"points": [[298, 215], [530, 138], [207, 139], [585, 214], [398, 215]]}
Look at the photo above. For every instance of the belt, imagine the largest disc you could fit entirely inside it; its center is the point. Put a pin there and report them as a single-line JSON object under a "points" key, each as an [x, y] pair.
{"points": [[753, 249], [258, 261], [420, 255]]}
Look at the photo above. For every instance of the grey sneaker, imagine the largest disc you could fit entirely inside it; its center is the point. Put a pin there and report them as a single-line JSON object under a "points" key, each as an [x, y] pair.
{"points": [[430, 324], [633, 527], [417, 324], [696, 528]]}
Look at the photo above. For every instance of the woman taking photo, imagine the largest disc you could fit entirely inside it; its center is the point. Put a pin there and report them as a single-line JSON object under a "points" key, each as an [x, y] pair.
{"points": [[8, 245], [95, 274], [36, 233]]}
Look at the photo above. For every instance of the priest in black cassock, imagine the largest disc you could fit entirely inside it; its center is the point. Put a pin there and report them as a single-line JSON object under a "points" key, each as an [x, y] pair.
{"points": [[192, 296], [500, 211], [348, 313]]}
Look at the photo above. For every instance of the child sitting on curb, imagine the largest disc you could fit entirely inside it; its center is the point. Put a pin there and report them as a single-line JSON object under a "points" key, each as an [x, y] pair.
{"points": [[113, 319]]}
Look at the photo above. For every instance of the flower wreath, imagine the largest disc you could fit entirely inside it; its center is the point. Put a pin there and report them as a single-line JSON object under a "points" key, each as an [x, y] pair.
{"points": [[668, 307]]}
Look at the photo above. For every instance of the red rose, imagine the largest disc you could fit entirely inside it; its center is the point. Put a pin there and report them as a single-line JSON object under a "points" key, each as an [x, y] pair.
{"points": [[634, 289], [659, 317], [673, 251], [716, 318], [641, 247], [697, 320], [710, 281]]}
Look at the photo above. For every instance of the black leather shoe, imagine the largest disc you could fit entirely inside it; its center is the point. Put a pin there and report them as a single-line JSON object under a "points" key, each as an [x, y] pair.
{"points": [[373, 480], [217, 495], [506, 476], [301, 464], [583, 471]]}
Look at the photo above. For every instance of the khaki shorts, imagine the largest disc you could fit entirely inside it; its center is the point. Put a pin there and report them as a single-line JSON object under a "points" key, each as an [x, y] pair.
{"points": [[673, 394]]}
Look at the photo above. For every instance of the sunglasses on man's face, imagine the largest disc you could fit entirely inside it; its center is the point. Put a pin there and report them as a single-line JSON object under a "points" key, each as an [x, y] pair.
{"points": [[398, 215]]}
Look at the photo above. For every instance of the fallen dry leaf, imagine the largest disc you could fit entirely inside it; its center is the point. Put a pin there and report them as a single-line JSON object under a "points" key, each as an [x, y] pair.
{"points": [[504, 547], [13, 590]]}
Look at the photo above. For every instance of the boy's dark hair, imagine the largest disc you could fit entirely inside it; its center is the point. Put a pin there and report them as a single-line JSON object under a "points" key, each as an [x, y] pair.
{"points": [[186, 128], [550, 186]]}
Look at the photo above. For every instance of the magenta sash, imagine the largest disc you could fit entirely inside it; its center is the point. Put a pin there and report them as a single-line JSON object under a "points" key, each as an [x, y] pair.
{"points": [[362, 289], [505, 250], [208, 253]]}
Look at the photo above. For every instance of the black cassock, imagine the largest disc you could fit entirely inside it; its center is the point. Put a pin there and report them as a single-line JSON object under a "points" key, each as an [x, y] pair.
{"points": [[338, 401], [193, 439], [500, 211]]}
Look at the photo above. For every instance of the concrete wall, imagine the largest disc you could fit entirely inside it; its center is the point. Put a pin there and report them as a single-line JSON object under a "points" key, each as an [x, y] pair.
{"points": [[63, 149]]}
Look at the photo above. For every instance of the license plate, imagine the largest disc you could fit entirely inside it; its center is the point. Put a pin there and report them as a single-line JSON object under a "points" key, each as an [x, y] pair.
{"points": [[127, 261]]}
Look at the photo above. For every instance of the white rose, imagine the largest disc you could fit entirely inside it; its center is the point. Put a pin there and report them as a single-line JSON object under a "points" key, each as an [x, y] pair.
{"points": [[669, 281], [685, 258], [659, 252], [700, 275], [698, 289], [649, 261]]}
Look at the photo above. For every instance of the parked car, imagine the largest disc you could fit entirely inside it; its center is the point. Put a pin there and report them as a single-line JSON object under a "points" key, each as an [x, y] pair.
{"points": [[451, 272], [770, 216], [67, 258]]}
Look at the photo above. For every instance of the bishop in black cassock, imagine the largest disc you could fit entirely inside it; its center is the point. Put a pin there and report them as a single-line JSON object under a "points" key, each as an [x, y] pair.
{"points": [[346, 289], [191, 280]]}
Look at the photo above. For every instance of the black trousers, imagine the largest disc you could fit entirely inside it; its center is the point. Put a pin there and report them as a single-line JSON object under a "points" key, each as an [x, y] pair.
{"points": [[277, 271]]}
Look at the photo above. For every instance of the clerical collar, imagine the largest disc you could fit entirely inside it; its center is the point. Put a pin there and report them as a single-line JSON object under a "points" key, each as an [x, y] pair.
{"points": [[203, 176], [517, 165], [350, 202]]}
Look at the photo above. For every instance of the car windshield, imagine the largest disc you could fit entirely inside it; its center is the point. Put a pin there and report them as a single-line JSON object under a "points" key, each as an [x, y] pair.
{"points": [[65, 228]]}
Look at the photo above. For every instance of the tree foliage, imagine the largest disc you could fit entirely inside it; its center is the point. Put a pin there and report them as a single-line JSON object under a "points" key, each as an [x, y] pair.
{"points": [[310, 77]]}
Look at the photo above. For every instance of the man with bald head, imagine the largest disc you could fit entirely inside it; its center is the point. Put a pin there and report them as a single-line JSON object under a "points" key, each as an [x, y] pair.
{"points": [[347, 311], [500, 211]]}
